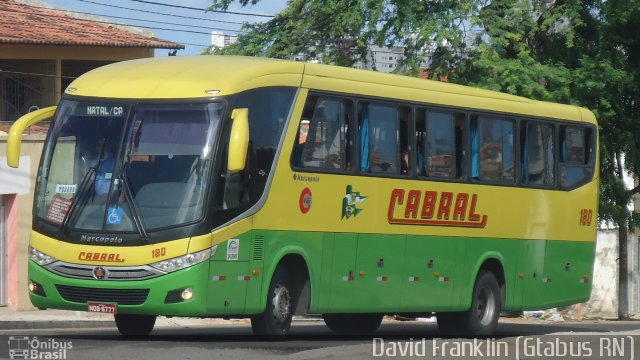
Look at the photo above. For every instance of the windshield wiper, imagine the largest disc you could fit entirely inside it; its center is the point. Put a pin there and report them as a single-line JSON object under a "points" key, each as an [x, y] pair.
{"points": [[135, 211], [81, 195]]}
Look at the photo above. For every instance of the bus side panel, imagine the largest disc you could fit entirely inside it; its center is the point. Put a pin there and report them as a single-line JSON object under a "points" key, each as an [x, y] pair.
{"points": [[227, 282], [256, 262], [279, 244], [481, 250], [380, 271], [531, 266], [340, 292], [568, 269], [432, 269], [227, 292], [561, 274], [320, 298]]}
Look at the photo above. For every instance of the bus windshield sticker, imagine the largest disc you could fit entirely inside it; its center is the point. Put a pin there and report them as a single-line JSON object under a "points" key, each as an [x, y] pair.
{"points": [[65, 189], [115, 216], [350, 203], [58, 209], [233, 247], [433, 208]]}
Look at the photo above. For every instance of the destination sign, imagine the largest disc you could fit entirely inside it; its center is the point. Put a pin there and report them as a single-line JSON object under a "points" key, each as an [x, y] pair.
{"points": [[99, 110]]}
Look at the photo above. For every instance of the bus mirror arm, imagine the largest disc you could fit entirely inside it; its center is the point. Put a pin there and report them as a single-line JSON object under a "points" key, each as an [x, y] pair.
{"points": [[14, 141], [238, 140]]}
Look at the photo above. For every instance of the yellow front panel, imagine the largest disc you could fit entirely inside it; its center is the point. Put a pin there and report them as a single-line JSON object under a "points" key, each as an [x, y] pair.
{"points": [[117, 255]]}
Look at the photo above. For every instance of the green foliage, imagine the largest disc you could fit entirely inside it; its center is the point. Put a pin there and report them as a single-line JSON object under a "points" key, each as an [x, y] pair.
{"points": [[584, 52]]}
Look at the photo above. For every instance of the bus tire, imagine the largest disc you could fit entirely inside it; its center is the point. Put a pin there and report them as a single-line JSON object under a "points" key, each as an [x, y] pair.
{"points": [[135, 324], [275, 321], [482, 318], [449, 323], [353, 323]]}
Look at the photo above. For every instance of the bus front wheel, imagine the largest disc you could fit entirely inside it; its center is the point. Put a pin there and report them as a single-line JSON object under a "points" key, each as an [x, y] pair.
{"points": [[134, 324], [275, 321], [353, 323]]}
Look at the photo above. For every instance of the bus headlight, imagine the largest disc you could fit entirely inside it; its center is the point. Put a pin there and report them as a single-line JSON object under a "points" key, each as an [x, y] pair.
{"points": [[182, 262], [39, 257]]}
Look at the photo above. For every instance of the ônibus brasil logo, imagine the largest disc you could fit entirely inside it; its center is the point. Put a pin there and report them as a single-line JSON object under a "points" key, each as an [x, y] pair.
{"points": [[26, 347]]}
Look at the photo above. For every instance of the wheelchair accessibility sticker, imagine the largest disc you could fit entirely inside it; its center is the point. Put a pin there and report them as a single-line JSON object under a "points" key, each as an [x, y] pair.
{"points": [[114, 216]]}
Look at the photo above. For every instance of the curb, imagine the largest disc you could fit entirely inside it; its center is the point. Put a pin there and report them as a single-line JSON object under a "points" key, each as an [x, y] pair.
{"points": [[55, 324]]}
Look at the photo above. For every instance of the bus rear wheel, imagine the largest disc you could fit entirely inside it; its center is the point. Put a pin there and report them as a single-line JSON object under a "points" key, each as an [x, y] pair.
{"points": [[275, 321], [482, 318], [353, 323], [135, 324]]}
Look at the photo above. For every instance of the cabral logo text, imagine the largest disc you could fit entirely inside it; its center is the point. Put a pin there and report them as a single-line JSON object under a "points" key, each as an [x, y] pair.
{"points": [[100, 256]]}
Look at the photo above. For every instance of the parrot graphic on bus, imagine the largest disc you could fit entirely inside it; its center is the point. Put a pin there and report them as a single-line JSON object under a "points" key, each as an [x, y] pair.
{"points": [[350, 202]]}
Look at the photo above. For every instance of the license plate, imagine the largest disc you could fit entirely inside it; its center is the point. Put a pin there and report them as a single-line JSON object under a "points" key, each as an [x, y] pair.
{"points": [[102, 307]]}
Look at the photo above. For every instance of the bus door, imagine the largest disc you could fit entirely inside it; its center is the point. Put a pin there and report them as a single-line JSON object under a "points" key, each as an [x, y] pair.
{"points": [[431, 266]]}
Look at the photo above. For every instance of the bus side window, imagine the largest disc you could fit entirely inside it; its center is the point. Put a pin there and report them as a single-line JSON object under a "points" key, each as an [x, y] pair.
{"points": [[439, 139], [492, 149], [379, 134], [323, 135], [537, 154], [576, 153]]}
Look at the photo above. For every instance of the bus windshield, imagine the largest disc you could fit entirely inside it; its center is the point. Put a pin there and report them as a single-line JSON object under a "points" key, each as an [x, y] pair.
{"points": [[127, 167]]}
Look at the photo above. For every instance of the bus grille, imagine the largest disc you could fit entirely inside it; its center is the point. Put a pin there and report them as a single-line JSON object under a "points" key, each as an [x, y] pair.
{"points": [[113, 272], [119, 296]]}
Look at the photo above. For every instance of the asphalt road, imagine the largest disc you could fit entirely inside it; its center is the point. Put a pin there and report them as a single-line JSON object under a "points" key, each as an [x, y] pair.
{"points": [[609, 340]]}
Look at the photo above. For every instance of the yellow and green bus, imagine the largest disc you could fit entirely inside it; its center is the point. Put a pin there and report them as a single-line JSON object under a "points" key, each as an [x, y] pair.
{"points": [[245, 187]]}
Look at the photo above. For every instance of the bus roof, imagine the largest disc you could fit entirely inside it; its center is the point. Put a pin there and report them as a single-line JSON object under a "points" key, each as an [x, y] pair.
{"points": [[193, 77]]}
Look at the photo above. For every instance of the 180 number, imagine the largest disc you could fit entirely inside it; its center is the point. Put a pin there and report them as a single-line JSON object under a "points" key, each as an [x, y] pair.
{"points": [[159, 252], [586, 216]]}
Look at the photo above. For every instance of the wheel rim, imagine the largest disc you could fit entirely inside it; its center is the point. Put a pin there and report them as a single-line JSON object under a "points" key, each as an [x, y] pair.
{"points": [[281, 303], [486, 305]]}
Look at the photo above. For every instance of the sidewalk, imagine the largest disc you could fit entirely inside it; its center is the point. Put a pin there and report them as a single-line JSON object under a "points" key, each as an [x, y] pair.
{"points": [[58, 319], [48, 319]]}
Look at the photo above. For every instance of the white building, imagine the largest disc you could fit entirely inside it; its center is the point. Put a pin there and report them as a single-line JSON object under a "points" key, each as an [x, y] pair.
{"points": [[382, 59], [220, 40]]}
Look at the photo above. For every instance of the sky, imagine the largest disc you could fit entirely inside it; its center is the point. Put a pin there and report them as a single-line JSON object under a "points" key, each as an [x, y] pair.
{"points": [[195, 34]]}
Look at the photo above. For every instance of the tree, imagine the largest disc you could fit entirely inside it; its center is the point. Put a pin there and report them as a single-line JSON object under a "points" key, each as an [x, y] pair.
{"points": [[585, 53]]}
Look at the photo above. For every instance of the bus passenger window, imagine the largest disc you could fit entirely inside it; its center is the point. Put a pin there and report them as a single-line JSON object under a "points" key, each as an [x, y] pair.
{"points": [[439, 143], [322, 141], [379, 127], [537, 154], [576, 150], [492, 149]]}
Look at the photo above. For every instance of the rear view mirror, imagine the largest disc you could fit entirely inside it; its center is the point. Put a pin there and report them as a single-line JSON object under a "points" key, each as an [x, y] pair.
{"points": [[239, 140], [15, 134]]}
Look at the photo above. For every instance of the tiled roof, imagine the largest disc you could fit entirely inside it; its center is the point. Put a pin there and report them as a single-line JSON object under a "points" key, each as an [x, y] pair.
{"points": [[31, 25]]}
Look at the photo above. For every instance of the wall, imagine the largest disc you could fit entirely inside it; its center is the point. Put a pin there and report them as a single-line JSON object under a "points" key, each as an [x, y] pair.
{"points": [[604, 293], [19, 219]]}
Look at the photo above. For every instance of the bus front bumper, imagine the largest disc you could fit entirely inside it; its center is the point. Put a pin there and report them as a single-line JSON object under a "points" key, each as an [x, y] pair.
{"points": [[162, 295]]}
